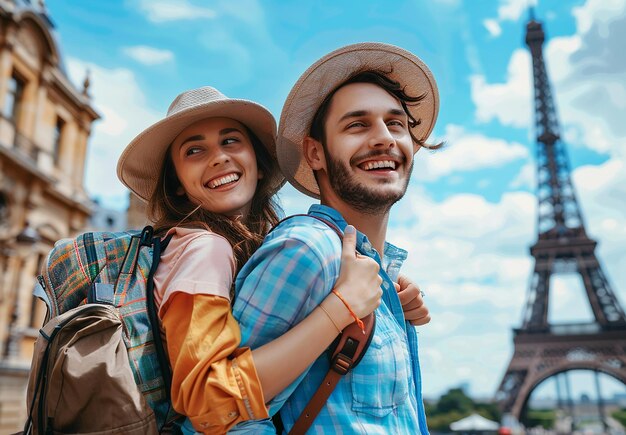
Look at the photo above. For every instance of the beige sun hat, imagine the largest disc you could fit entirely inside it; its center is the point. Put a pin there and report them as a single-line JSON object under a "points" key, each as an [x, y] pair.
{"points": [[140, 165], [326, 75]]}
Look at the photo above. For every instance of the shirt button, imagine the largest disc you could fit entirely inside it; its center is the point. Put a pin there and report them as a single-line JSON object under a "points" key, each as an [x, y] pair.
{"points": [[233, 414], [204, 425]]}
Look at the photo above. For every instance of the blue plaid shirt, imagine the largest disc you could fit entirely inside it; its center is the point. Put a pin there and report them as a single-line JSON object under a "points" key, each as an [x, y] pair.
{"points": [[290, 274]]}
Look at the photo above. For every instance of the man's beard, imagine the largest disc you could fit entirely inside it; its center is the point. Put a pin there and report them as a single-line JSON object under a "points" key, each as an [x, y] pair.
{"points": [[368, 200]]}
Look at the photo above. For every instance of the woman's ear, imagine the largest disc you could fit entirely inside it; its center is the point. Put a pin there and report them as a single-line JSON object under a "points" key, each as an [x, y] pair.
{"points": [[180, 191], [314, 153]]}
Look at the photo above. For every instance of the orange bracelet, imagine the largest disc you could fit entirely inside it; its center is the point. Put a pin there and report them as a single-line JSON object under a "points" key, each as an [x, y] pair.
{"points": [[358, 321]]}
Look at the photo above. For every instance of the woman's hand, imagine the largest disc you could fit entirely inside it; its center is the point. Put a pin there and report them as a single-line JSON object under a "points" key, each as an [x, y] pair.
{"points": [[358, 283], [415, 311]]}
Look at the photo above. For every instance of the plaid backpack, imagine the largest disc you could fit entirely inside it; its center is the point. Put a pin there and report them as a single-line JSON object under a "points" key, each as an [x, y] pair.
{"points": [[103, 335]]}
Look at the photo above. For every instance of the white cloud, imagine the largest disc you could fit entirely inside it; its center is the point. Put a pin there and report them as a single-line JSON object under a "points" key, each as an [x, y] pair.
{"points": [[493, 27], [159, 11], [467, 246], [587, 71], [148, 55], [125, 112], [466, 151], [508, 10], [601, 191], [568, 300], [508, 102], [525, 177], [446, 323], [598, 12], [513, 9], [463, 357]]}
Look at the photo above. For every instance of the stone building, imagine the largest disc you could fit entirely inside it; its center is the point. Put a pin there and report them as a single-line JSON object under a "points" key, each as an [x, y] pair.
{"points": [[136, 213], [45, 123]]}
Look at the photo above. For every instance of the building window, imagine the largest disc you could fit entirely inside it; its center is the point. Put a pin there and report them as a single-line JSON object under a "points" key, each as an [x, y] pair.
{"points": [[58, 138], [13, 99]]}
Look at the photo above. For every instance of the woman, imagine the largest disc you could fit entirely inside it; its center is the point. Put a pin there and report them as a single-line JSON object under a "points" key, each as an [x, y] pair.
{"points": [[208, 172]]}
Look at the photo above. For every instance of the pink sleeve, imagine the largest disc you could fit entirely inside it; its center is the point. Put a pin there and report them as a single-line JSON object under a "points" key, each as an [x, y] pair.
{"points": [[197, 263]]}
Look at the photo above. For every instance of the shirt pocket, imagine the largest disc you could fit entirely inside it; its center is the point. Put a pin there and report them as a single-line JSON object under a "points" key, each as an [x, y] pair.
{"points": [[380, 381]]}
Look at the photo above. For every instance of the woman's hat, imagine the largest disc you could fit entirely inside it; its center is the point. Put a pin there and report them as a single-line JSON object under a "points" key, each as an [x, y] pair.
{"points": [[324, 76], [141, 163]]}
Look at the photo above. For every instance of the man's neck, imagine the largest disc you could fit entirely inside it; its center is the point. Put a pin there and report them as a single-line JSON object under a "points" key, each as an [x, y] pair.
{"points": [[373, 226]]}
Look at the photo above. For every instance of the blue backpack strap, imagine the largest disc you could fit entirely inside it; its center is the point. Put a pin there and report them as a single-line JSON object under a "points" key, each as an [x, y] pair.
{"points": [[158, 247]]}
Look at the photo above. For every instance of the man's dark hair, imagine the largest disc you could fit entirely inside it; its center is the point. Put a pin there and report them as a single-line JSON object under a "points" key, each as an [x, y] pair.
{"points": [[378, 78]]}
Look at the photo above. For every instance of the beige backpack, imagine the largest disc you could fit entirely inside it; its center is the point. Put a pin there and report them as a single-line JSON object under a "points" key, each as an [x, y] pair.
{"points": [[99, 365], [69, 395]]}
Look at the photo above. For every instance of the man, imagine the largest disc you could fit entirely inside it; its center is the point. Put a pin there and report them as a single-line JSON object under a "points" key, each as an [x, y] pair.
{"points": [[348, 133]]}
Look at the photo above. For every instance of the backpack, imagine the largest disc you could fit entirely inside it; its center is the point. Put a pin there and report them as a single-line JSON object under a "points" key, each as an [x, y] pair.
{"points": [[99, 364]]}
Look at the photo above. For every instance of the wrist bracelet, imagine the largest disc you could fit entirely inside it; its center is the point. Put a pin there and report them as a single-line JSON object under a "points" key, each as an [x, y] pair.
{"points": [[358, 321], [329, 317]]}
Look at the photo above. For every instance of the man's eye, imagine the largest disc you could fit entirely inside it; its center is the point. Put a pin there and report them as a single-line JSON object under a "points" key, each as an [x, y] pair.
{"points": [[356, 124]]}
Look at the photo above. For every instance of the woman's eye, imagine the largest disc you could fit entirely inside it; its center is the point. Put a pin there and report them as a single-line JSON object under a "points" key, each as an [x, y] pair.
{"points": [[192, 150], [230, 140], [395, 122]]}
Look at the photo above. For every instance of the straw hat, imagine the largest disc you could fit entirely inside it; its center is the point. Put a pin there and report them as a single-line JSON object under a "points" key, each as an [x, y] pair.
{"points": [[326, 75], [140, 165]]}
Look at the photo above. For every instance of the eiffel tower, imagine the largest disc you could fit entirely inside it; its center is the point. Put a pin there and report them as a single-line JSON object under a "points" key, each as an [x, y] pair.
{"points": [[541, 349]]}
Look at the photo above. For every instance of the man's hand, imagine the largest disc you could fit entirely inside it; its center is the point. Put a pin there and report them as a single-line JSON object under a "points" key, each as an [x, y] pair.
{"points": [[415, 311]]}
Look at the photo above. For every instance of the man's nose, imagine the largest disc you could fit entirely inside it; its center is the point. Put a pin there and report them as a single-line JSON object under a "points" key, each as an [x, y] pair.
{"points": [[381, 136]]}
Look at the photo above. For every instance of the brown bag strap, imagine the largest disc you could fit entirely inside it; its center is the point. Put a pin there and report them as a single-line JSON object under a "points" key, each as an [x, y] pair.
{"points": [[352, 345]]}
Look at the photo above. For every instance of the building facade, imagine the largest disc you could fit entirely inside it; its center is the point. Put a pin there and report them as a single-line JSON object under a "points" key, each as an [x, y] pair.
{"points": [[45, 123], [136, 214]]}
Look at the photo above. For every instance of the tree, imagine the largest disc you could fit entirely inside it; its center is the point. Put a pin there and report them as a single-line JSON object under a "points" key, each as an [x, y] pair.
{"points": [[455, 400], [455, 405], [620, 416]]}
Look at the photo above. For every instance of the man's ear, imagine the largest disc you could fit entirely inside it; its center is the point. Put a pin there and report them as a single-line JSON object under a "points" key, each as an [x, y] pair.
{"points": [[314, 153]]}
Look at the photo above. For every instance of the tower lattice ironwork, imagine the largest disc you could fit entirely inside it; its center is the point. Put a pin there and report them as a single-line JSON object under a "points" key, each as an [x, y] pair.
{"points": [[543, 349]]}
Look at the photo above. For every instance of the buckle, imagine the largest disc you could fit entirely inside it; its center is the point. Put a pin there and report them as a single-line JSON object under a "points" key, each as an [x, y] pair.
{"points": [[341, 364]]}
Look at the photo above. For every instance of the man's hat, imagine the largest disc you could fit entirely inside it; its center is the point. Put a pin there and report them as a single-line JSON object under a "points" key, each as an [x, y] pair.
{"points": [[141, 163], [332, 70]]}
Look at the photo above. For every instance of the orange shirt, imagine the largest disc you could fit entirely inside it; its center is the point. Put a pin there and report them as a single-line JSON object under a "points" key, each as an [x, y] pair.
{"points": [[214, 380]]}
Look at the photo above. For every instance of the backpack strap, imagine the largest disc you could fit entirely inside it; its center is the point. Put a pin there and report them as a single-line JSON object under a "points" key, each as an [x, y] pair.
{"points": [[158, 246], [348, 351]]}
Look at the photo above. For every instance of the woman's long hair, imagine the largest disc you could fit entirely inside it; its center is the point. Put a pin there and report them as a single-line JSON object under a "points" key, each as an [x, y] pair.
{"points": [[167, 209]]}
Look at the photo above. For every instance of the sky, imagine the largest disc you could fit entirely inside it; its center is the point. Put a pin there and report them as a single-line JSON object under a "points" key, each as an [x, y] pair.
{"points": [[469, 216]]}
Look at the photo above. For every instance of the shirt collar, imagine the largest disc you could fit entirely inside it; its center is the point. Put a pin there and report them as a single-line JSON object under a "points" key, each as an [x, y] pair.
{"points": [[391, 253]]}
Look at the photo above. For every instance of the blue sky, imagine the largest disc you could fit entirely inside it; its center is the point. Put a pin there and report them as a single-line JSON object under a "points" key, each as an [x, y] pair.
{"points": [[469, 216]]}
